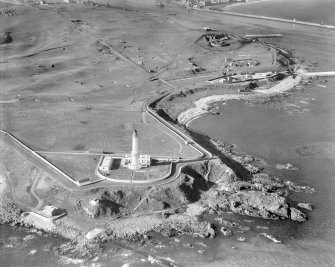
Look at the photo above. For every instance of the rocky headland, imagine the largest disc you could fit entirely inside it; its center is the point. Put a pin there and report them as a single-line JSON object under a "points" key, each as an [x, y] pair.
{"points": [[190, 206], [193, 204]]}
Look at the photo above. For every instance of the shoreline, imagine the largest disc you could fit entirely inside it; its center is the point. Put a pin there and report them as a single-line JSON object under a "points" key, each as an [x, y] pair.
{"points": [[306, 23], [193, 200], [201, 106], [235, 4], [193, 218]]}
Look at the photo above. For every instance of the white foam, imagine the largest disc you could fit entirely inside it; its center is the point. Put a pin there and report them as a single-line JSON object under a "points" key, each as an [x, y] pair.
{"points": [[273, 239], [67, 260], [32, 252]]}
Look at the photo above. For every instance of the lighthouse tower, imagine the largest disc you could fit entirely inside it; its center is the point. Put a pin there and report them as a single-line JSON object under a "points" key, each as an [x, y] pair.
{"points": [[134, 155], [134, 161]]}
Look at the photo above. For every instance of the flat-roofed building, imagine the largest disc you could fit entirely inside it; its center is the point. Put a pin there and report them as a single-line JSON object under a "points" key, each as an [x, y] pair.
{"points": [[106, 163]]}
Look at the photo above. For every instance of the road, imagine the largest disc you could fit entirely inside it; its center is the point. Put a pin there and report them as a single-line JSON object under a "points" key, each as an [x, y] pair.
{"points": [[68, 182], [32, 190], [205, 155]]}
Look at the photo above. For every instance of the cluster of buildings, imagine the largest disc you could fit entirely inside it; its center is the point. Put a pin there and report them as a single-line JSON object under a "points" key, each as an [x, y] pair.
{"points": [[217, 39], [53, 2], [248, 62], [203, 3], [243, 77]]}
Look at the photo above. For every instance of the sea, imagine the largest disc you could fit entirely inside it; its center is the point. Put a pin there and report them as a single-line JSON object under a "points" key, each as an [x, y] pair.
{"points": [[273, 131], [276, 131], [316, 11]]}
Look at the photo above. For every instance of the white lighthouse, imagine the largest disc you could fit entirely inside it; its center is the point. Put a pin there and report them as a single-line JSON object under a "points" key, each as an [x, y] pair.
{"points": [[134, 156], [135, 161]]}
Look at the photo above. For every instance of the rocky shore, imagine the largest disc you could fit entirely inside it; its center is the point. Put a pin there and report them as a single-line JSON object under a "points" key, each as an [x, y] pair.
{"points": [[193, 205], [9, 212], [204, 189]]}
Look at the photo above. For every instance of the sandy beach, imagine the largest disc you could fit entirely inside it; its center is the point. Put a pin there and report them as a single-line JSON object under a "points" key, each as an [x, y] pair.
{"points": [[250, 2], [201, 106]]}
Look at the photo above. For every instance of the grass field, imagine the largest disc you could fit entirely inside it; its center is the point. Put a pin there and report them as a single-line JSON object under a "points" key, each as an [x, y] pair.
{"points": [[63, 90]]}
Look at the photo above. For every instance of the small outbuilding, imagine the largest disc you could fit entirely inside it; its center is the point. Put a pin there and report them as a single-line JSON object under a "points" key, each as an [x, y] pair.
{"points": [[51, 211]]}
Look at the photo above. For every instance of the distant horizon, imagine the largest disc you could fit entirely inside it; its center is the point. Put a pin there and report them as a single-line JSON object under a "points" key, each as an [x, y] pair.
{"points": [[299, 9]]}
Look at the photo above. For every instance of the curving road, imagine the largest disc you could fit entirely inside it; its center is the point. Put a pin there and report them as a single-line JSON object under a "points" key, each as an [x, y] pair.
{"points": [[205, 154], [68, 183]]}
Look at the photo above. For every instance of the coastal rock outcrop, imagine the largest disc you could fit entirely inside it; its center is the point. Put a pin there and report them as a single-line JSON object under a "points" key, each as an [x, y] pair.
{"points": [[216, 187], [306, 206], [9, 212], [184, 224], [253, 203], [204, 187], [300, 188], [107, 205], [260, 204], [266, 179], [297, 215], [79, 249], [226, 232]]}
